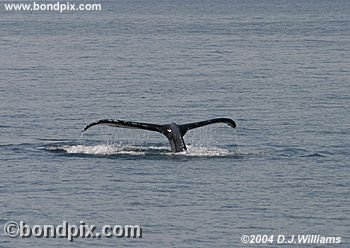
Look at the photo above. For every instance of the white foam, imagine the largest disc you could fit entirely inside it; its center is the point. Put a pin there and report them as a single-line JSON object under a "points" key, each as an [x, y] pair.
{"points": [[206, 151], [114, 149], [101, 150]]}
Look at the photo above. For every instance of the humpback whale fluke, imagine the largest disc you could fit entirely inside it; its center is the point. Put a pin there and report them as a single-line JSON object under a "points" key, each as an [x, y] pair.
{"points": [[172, 131]]}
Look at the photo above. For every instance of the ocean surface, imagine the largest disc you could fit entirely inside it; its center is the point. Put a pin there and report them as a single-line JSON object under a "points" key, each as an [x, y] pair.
{"points": [[280, 69]]}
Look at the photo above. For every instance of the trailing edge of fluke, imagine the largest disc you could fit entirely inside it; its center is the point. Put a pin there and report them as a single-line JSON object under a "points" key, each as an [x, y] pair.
{"points": [[172, 131]]}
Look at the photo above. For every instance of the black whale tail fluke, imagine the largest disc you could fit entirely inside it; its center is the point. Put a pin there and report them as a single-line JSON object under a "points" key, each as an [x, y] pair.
{"points": [[126, 124], [186, 127], [173, 132]]}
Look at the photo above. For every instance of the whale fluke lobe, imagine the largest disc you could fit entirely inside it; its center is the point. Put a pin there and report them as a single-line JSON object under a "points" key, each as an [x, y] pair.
{"points": [[185, 127], [125, 124], [172, 131]]}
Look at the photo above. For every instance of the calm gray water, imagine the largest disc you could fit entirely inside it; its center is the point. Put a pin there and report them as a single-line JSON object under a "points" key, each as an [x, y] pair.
{"points": [[280, 69]]}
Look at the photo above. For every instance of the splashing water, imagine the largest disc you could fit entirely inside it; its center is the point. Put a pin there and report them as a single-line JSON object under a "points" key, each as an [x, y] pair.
{"points": [[102, 150], [108, 149]]}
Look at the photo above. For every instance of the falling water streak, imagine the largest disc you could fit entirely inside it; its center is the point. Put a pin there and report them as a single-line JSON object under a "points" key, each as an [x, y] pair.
{"points": [[235, 139]]}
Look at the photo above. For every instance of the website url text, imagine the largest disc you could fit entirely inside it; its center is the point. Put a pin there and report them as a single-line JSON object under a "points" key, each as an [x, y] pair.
{"points": [[57, 7]]}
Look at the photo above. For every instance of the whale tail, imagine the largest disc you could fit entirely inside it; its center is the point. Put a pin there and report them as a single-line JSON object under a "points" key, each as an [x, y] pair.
{"points": [[173, 132]]}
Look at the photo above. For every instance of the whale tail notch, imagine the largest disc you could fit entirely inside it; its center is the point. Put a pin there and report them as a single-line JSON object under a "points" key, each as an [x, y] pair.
{"points": [[173, 132]]}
